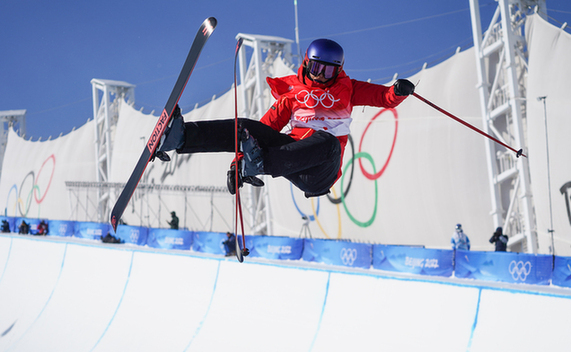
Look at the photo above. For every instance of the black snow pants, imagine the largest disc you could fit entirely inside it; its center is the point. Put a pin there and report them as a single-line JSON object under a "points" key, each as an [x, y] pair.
{"points": [[311, 164]]}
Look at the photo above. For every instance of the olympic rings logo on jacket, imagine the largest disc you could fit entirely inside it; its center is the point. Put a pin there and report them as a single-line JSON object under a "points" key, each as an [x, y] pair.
{"points": [[312, 100]]}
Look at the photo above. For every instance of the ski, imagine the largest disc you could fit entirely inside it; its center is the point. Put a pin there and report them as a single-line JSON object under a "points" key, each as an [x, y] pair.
{"points": [[202, 36]]}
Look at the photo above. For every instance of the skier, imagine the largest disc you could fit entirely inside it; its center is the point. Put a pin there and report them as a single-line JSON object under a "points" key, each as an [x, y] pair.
{"points": [[459, 239], [316, 102]]}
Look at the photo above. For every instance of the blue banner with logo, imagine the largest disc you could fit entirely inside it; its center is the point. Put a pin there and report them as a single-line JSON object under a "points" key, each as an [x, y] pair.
{"points": [[415, 260], [170, 239], [91, 230], [562, 272], [343, 253], [10, 221], [61, 228], [504, 266], [273, 247], [132, 234], [209, 242], [33, 223]]}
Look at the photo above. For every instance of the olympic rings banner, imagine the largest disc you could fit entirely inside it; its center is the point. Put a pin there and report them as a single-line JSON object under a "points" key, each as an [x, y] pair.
{"points": [[504, 266], [132, 234], [344, 253], [272, 247], [209, 242], [61, 228], [562, 272], [420, 261], [170, 239]]}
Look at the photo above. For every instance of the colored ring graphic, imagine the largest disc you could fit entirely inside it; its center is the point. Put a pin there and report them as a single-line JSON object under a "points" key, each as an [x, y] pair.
{"points": [[53, 158], [345, 192], [382, 170], [25, 200], [311, 217], [29, 200], [319, 222], [15, 188], [357, 222]]}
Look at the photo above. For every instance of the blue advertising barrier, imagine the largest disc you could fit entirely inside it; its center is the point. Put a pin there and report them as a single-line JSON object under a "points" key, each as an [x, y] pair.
{"points": [[132, 234], [209, 242], [32, 222], [170, 239], [504, 266], [272, 247], [422, 261], [11, 222], [562, 272], [91, 230], [343, 253], [61, 228]]}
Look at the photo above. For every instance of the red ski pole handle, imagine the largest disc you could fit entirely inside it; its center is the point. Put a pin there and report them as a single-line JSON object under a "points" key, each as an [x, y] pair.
{"points": [[518, 153]]}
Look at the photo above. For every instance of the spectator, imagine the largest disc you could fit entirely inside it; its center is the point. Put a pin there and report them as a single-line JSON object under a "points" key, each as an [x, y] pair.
{"points": [[42, 228], [459, 239], [500, 240], [230, 244], [5, 226], [174, 221], [109, 238], [24, 228]]}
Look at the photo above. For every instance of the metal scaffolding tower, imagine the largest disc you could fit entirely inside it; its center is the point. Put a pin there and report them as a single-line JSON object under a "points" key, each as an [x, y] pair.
{"points": [[255, 99], [106, 114], [15, 119], [501, 63]]}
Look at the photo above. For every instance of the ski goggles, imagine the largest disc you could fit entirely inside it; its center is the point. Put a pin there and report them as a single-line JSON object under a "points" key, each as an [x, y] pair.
{"points": [[315, 68]]}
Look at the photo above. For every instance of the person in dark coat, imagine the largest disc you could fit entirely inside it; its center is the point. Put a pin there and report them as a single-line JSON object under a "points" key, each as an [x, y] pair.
{"points": [[230, 244], [500, 240]]}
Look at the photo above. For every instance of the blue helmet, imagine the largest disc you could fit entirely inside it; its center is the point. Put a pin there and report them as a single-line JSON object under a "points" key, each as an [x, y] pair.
{"points": [[323, 56], [327, 51]]}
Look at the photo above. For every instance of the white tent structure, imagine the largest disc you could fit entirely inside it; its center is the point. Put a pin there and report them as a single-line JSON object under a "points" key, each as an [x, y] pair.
{"points": [[410, 174]]}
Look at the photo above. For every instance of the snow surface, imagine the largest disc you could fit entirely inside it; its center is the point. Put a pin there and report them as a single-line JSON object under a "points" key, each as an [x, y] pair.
{"points": [[76, 295]]}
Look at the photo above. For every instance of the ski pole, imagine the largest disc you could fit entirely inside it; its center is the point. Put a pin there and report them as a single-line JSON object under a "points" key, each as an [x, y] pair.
{"points": [[518, 153]]}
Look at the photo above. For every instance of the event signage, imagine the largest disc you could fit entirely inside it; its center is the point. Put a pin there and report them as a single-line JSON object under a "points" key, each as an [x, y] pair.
{"points": [[91, 230], [32, 222], [562, 272], [415, 260], [209, 242], [504, 266], [342, 253], [132, 234], [11, 222], [170, 239], [273, 247], [61, 228]]}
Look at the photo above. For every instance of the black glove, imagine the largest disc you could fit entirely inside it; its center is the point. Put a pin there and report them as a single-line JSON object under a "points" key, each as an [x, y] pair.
{"points": [[403, 87]]}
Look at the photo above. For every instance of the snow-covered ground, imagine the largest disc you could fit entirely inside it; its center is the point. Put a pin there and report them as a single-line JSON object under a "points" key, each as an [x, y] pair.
{"points": [[74, 295]]}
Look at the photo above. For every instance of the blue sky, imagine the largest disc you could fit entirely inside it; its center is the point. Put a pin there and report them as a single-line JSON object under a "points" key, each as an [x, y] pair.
{"points": [[52, 49]]}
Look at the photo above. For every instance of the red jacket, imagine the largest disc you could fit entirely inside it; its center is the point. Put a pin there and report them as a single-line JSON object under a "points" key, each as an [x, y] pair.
{"points": [[310, 106]]}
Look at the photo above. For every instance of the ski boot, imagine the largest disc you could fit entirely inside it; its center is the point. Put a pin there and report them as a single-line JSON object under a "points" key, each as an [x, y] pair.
{"points": [[173, 138], [253, 162], [231, 179]]}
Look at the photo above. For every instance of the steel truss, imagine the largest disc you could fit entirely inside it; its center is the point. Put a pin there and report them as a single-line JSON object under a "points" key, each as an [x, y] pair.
{"points": [[255, 99], [501, 62], [106, 115], [147, 203], [15, 119]]}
